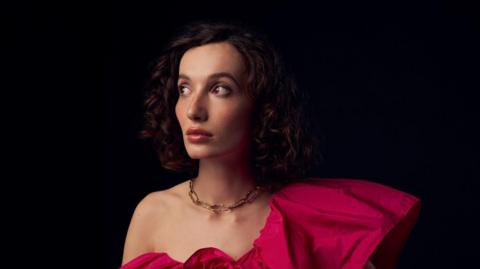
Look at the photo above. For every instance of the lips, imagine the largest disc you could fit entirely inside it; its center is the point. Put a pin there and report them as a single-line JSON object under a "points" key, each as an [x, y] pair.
{"points": [[198, 131]]}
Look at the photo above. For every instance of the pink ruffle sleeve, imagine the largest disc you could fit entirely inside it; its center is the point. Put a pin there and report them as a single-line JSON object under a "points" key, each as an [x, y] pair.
{"points": [[328, 223]]}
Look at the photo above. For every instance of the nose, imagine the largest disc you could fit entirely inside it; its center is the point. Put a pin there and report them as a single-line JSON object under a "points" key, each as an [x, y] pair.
{"points": [[197, 110]]}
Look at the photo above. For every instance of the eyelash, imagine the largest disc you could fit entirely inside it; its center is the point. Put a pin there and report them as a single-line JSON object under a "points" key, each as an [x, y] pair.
{"points": [[216, 86]]}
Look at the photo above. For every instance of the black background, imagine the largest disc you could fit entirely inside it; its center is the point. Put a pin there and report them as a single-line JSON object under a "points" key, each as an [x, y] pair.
{"points": [[393, 89]]}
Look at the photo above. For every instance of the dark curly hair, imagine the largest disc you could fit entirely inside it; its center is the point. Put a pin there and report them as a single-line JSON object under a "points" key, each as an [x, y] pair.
{"points": [[284, 149]]}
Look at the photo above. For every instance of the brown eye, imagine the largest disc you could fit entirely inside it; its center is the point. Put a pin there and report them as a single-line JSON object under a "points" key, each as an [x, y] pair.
{"points": [[226, 90], [180, 88]]}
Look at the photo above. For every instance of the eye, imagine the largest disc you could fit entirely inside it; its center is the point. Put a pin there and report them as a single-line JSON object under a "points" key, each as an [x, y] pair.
{"points": [[225, 89], [180, 88]]}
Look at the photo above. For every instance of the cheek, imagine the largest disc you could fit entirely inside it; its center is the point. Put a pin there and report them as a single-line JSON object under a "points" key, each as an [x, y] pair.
{"points": [[178, 113], [233, 119]]}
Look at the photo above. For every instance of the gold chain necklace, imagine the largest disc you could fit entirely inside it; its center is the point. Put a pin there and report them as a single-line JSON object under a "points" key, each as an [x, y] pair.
{"points": [[217, 208]]}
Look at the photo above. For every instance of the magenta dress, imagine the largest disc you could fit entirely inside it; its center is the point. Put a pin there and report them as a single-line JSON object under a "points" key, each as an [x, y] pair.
{"points": [[327, 223]]}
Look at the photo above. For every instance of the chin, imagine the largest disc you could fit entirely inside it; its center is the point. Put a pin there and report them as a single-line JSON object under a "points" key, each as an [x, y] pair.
{"points": [[205, 152], [200, 154]]}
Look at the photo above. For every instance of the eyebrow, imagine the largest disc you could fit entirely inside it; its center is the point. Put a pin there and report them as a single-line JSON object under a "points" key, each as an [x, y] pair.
{"points": [[215, 75]]}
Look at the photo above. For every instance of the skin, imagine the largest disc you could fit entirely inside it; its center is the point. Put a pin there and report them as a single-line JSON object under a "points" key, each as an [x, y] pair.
{"points": [[369, 265], [219, 106]]}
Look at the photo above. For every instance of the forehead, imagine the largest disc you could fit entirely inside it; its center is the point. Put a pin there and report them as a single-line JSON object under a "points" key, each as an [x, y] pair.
{"points": [[199, 62]]}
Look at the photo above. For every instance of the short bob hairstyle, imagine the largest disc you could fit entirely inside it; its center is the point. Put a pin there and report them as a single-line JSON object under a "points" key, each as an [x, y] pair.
{"points": [[284, 149]]}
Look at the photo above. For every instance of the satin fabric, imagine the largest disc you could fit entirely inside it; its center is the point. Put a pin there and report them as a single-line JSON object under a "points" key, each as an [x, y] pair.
{"points": [[327, 223]]}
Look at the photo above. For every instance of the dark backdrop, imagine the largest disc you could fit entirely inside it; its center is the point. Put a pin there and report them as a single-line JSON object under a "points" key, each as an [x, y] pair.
{"points": [[393, 91]]}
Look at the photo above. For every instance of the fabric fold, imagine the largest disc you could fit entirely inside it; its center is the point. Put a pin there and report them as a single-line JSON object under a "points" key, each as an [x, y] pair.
{"points": [[327, 223]]}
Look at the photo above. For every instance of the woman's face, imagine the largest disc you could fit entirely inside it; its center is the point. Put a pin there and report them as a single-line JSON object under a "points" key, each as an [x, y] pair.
{"points": [[211, 97]]}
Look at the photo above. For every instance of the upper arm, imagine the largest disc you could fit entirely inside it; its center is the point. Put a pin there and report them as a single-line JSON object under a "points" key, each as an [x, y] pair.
{"points": [[369, 265], [139, 235]]}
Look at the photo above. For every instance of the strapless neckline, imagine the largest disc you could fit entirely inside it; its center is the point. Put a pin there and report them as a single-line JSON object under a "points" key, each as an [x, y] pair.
{"points": [[217, 251]]}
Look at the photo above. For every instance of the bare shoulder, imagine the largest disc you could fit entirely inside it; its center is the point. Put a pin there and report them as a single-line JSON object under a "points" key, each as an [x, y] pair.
{"points": [[145, 221], [149, 219], [151, 205]]}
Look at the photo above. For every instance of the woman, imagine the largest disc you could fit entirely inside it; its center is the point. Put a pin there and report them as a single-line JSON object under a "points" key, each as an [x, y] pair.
{"points": [[223, 107]]}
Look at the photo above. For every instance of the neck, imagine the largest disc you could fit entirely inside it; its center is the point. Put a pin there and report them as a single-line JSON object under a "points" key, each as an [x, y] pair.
{"points": [[223, 181]]}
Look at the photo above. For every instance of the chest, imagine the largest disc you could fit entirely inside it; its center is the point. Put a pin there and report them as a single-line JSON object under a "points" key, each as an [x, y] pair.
{"points": [[180, 237]]}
